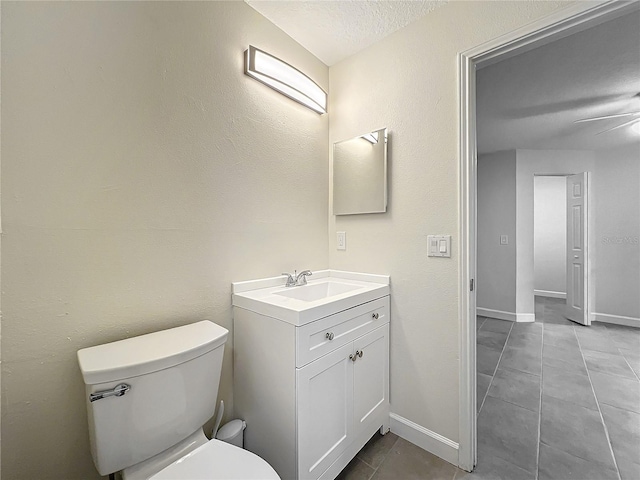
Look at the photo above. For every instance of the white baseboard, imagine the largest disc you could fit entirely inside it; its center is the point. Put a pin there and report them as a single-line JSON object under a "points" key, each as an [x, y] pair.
{"points": [[499, 314], [508, 316], [616, 319], [424, 438], [549, 293], [525, 317]]}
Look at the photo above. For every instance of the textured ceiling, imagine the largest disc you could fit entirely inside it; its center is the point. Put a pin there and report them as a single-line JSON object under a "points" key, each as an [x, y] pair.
{"points": [[334, 30], [532, 100]]}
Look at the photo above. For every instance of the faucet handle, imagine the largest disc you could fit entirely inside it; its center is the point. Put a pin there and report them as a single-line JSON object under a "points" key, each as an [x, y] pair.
{"points": [[291, 282], [301, 278]]}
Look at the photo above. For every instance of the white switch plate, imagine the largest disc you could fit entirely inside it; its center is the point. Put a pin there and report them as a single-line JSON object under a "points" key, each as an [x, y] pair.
{"points": [[439, 246], [341, 238], [504, 239]]}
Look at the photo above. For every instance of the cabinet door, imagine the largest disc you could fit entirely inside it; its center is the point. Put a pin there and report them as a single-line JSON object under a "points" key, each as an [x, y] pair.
{"points": [[371, 377], [325, 411]]}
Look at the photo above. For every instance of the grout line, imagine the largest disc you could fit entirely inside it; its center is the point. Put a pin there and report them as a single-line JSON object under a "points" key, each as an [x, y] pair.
{"points": [[606, 430], [384, 458], [486, 394], [625, 359]]}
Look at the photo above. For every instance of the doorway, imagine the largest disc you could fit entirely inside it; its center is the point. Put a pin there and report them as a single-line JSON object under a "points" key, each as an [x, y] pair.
{"points": [[567, 21]]}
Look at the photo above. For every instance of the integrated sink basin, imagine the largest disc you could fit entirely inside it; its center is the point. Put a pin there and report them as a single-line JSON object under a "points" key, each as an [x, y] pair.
{"points": [[318, 291], [327, 292]]}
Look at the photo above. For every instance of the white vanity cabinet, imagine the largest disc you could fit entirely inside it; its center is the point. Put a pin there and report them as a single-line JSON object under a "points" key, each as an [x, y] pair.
{"points": [[312, 394]]}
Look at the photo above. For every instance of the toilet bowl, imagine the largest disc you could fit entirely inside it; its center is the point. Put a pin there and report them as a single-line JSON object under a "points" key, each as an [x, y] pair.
{"points": [[147, 399]]}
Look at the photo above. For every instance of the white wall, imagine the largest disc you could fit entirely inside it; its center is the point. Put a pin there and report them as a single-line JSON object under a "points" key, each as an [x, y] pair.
{"points": [[496, 263], [408, 83], [142, 173], [616, 221], [550, 235], [616, 189]]}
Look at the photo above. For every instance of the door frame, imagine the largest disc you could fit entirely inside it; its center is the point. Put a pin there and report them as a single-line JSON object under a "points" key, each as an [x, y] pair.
{"points": [[566, 21]]}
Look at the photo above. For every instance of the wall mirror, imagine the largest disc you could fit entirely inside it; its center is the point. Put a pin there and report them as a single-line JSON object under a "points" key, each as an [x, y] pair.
{"points": [[360, 174]]}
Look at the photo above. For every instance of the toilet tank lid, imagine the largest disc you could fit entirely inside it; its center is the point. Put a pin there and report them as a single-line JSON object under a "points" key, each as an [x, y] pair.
{"points": [[149, 353]]}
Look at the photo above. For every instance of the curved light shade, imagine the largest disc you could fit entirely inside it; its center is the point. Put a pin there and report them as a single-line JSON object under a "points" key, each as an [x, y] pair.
{"points": [[284, 78]]}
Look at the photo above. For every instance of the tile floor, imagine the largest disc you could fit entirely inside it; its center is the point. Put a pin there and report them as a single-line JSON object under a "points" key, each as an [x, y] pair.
{"points": [[556, 401]]}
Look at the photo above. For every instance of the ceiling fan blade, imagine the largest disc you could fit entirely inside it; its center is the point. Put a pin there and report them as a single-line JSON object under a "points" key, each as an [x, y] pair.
{"points": [[635, 120], [618, 115]]}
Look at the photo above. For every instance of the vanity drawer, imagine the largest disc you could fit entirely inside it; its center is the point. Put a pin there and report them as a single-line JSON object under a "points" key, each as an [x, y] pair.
{"points": [[322, 336]]}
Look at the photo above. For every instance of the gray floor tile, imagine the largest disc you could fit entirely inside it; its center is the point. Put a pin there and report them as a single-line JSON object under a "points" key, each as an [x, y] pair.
{"points": [[524, 340], [534, 328], [624, 432], [479, 321], [494, 325], [555, 464], [407, 461], [494, 468], [495, 340], [575, 430], [633, 359], [569, 360], [628, 470], [617, 391], [519, 388], [564, 338], [557, 318], [559, 336], [627, 338], [376, 449], [482, 385], [523, 359], [486, 359], [508, 432], [597, 341], [356, 470], [608, 363], [568, 386]]}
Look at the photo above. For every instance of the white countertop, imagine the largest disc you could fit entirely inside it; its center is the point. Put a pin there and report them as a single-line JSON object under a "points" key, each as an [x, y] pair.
{"points": [[269, 296]]}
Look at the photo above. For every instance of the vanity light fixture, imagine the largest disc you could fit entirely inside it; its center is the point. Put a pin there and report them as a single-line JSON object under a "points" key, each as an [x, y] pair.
{"points": [[285, 79], [371, 137]]}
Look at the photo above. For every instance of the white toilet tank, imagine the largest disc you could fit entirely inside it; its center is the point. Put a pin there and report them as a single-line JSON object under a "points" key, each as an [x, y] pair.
{"points": [[172, 378]]}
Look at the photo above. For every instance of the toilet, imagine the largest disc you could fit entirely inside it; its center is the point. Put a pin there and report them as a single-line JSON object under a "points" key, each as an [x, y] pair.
{"points": [[148, 398]]}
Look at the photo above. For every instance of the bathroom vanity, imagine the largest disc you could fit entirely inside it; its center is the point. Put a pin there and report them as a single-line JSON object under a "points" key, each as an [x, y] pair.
{"points": [[311, 369]]}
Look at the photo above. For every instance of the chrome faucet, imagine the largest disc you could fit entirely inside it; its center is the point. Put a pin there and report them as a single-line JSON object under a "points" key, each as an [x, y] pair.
{"points": [[301, 278], [297, 279]]}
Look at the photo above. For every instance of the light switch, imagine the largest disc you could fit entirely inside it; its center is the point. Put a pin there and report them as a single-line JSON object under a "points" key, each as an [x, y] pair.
{"points": [[341, 240], [439, 245]]}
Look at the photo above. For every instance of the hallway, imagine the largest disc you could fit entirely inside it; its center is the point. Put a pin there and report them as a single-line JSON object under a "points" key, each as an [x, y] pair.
{"points": [[557, 400]]}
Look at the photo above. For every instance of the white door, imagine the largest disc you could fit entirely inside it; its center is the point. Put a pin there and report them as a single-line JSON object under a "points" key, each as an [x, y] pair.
{"points": [[370, 377], [325, 411], [578, 248]]}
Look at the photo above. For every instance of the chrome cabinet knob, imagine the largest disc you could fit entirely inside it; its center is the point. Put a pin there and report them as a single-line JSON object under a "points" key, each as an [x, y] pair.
{"points": [[375, 316], [354, 356], [329, 336]]}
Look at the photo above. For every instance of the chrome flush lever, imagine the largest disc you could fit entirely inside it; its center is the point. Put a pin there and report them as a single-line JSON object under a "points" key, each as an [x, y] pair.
{"points": [[118, 391]]}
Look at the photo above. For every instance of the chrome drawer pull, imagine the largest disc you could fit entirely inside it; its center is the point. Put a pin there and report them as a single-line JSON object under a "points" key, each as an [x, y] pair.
{"points": [[118, 391], [375, 316], [329, 335]]}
